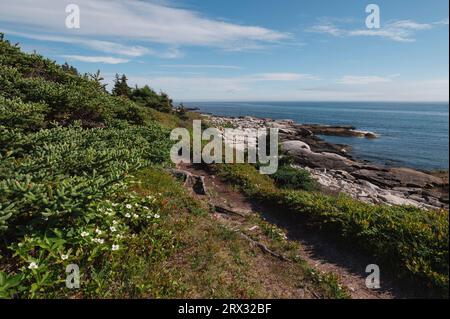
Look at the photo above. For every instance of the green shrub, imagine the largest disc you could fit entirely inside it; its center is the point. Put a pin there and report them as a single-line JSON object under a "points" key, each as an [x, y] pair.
{"points": [[57, 172], [19, 115], [289, 177]]}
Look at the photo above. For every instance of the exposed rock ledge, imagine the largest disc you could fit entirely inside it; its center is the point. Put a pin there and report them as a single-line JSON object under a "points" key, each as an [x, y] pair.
{"points": [[343, 130], [334, 169]]}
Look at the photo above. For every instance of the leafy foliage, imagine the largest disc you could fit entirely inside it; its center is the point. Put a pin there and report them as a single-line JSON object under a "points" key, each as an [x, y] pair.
{"points": [[289, 177], [69, 97], [57, 172], [67, 148]]}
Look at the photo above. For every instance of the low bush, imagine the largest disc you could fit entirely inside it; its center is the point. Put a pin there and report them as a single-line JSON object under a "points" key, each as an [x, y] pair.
{"points": [[293, 178], [57, 172]]}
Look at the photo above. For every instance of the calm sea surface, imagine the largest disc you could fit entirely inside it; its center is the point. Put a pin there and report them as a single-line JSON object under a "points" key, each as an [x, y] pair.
{"points": [[411, 134]]}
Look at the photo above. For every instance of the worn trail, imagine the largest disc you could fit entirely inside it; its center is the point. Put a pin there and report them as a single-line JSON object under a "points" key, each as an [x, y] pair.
{"points": [[321, 253]]}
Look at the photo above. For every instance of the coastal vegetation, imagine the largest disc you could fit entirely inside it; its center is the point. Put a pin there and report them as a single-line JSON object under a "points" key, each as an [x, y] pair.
{"points": [[412, 242], [83, 181]]}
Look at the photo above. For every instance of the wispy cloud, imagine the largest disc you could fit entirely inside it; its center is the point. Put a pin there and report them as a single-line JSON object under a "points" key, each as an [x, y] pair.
{"points": [[282, 77], [146, 21], [201, 66], [97, 45], [363, 80], [251, 87], [95, 59], [400, 31], [326, 28]]}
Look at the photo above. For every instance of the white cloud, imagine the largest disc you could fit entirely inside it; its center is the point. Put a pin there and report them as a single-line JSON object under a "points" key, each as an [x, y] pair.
{"points": [[98, 45], [326, 28], [399, 90], [282, 77], [251, 87], [201, 66], [399, 31], [96, 59], [362, 80], [210, 87], [147, 21]]}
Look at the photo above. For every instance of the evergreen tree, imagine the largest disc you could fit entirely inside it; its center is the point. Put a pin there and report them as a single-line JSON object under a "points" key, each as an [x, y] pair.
{"points": [[165, 103], [69, 69], [97, 78], [121, 87]]}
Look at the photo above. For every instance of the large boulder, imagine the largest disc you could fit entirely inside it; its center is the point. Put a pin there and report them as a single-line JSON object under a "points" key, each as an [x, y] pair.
{"points": [[302, 155], [398, 177], [290, 146], [397, 200], [413, 178]]}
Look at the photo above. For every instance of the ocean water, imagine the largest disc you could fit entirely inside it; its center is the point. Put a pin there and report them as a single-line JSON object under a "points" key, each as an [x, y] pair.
{"points": [[412, 135]]}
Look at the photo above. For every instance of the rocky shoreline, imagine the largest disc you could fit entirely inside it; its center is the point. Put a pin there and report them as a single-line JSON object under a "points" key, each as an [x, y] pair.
{"points": [[335, 170]]}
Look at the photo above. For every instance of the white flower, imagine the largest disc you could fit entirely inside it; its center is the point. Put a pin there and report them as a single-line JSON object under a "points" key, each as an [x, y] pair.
{"points": [[136, 205], [115, 204], [84, 234], [135, 216], [145, 207], [120, 236], [128, 206], [113, 229], [33, 265], [115, 247], [115, 222], [98, 240], [98, 231], [64, 257], [127, 215], [156, 216]]}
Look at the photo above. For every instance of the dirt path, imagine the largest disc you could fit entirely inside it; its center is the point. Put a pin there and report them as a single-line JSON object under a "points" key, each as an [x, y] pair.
{"points": [[322, 254]]}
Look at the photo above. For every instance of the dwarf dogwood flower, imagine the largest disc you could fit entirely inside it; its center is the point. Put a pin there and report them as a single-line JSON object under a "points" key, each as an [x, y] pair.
{"points": [[84, 234], [145, 207], [112, 228], [127, 215], [115, 247], [115, 222], [33, 265], [98, 231], [156, 216], [98, 240], [114, 204], [135, 216], [128, 206], [64, 257]]}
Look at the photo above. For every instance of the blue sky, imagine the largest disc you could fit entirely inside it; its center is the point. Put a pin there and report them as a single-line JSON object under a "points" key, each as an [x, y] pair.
{"points": [[230, 50]]}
